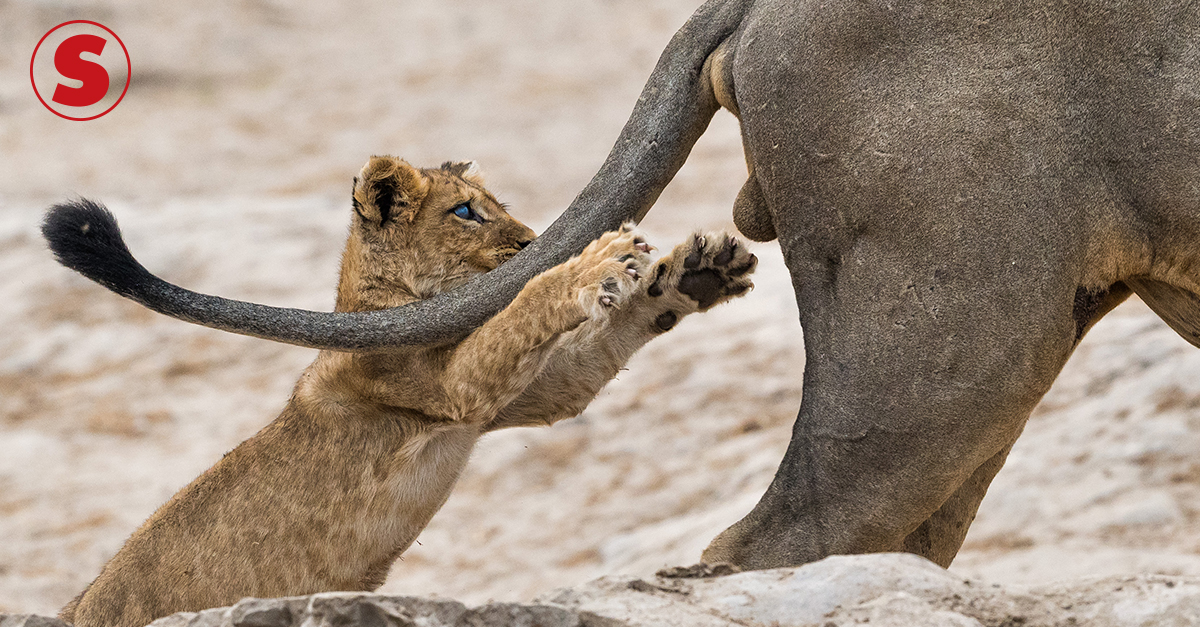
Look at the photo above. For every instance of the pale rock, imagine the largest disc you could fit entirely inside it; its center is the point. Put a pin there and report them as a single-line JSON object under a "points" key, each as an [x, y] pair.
{"points": [[888, 590], [29, 620]]}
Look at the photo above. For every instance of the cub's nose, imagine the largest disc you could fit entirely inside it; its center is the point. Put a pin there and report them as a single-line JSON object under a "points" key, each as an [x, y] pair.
{"points": [[525, 243]]}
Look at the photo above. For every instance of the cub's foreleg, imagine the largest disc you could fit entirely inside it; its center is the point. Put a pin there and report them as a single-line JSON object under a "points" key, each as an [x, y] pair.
{"points": [[495, 364], [698, 274]]}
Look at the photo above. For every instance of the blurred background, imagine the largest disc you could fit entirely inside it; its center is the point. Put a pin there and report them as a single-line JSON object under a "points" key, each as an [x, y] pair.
{"points": [[229, 164]]}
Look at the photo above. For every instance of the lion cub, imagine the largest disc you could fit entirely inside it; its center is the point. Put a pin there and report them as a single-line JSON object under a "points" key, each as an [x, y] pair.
{"points": [[367, 449]]}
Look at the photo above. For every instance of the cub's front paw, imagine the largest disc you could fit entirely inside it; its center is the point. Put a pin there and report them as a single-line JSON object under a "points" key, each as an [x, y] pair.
{"points": [[607, 272], [709, 269]]}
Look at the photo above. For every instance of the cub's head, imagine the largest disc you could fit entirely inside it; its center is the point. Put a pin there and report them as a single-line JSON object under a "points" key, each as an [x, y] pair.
{"points": [[420, 232]]}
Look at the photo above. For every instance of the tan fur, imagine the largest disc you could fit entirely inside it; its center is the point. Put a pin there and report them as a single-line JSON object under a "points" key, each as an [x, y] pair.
{"points": [[369, 446]]}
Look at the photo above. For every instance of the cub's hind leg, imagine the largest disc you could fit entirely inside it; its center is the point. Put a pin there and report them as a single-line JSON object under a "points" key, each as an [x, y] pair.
{"points": [[696, 275]]}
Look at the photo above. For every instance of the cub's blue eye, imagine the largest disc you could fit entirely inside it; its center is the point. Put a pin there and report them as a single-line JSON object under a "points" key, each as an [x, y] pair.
{"points": [[465, 212]]}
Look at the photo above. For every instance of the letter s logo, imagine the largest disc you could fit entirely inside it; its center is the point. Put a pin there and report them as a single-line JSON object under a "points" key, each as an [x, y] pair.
{"points": [[68, 63], [79, 70]]}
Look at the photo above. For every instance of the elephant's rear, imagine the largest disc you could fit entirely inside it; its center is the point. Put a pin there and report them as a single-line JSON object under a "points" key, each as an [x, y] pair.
{"points": [[946, 179]]}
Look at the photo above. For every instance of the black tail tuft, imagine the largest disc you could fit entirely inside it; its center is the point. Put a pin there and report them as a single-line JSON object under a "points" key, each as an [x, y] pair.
{"points": [[85, 237]]}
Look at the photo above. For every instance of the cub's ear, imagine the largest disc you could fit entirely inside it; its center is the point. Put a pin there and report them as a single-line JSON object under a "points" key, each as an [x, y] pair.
{"points": [[388, 189], [466, 170]]}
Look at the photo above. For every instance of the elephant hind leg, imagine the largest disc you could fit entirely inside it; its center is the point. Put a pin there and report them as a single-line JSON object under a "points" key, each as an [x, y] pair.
{"points": [[939, 538], [941, 535], [1178, 307]]}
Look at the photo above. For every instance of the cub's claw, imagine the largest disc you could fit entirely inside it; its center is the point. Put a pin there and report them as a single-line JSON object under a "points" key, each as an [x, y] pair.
{"points": [[609, 269]]}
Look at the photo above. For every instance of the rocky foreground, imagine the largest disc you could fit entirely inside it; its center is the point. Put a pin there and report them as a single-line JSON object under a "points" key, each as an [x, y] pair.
{"points": [[891, 590]]}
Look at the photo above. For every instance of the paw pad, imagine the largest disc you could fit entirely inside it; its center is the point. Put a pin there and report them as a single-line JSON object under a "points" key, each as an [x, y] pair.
{"points": [[714, 269], [704, 286]]}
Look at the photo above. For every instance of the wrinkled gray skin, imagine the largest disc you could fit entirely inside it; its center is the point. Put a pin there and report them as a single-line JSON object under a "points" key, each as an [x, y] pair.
{"points": [[960, 189]]}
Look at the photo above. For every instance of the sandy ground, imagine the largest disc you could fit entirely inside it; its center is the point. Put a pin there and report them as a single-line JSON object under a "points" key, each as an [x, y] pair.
{"points": [[229, 164]]}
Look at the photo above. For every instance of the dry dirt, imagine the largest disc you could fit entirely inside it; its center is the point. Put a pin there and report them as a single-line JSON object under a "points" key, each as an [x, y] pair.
{"points": [[229, 164]]}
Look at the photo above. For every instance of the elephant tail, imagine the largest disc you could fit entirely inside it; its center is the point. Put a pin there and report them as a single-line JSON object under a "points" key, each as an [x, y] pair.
{"points": [[674, 109]]}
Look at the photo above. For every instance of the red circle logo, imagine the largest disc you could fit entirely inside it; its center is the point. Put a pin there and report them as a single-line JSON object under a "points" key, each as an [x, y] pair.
{"points": [[80, 70]]}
